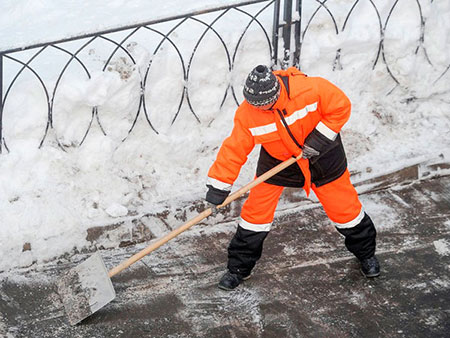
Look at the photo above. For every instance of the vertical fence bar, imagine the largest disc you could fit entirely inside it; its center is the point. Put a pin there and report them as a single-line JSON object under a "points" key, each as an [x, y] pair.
{"points": [[276, 26], [287, 17], [1, 102], [298, 30]]}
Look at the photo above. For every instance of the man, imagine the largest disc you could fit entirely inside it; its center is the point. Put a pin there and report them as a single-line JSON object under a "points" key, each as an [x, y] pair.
{"points": [[287, 112]]}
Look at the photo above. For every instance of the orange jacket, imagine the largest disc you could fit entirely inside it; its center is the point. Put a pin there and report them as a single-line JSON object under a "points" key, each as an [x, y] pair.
{"points": [[312, 102]]}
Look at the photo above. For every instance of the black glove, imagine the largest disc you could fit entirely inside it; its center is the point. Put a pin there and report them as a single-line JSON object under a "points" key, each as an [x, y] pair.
{"points": [[315, 144], [215, 197], [309, 152], [213, 207]]}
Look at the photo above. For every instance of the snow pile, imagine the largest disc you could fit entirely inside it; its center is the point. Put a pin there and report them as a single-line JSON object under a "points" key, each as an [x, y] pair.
{"points": [[27, 22], [51, 197]]}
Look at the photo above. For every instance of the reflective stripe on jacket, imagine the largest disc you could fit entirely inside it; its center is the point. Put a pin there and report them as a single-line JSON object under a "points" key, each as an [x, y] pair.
{"points": [[312, 102]]}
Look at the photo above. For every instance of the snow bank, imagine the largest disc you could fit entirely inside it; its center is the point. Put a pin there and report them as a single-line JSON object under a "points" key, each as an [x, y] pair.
{"points": [[27, 22], [51, 197]]}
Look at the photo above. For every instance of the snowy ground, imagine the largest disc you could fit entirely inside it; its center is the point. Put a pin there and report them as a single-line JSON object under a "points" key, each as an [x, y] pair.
{"points": [[49, 198], [305, 285]]}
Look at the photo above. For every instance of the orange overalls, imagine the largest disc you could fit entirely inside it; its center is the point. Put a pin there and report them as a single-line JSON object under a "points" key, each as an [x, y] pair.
{"points": [[306, 103]]}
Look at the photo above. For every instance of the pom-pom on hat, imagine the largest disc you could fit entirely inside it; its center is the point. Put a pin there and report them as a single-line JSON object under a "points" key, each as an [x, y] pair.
{"points": [[261, 87]]}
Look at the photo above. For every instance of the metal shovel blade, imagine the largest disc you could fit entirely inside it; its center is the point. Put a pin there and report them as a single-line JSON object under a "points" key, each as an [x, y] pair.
{"points": [[85, 289]]}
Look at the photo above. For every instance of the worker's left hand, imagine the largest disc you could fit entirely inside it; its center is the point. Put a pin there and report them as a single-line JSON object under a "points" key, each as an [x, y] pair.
{"points": [[315, 144], [309, 152]]}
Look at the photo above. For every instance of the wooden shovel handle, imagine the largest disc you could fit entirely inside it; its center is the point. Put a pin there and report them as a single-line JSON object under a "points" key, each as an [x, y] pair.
{"points": [[144, 252]]}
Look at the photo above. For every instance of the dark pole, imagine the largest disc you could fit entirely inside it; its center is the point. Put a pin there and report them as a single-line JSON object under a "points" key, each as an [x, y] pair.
{"points": [[1, 101], [276, 26], [298, 30], [287, 32]]}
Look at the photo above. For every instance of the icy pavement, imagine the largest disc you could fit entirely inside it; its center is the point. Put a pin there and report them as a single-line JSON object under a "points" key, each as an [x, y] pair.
{"points": [[305, 285]]}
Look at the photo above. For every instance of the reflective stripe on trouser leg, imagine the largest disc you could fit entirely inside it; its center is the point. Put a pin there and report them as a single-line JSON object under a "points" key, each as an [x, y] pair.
{"points": [[341, 203], [256, 218], [361, 239]]}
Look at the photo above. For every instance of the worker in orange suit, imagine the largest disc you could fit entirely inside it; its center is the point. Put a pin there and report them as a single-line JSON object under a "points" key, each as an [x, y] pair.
{"points": [[287, 113]]}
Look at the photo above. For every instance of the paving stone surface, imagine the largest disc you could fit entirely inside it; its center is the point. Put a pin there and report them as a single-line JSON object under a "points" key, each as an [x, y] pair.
{"points": [[305, 285]]}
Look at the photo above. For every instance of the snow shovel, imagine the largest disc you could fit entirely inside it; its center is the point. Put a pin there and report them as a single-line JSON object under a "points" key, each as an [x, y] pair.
{"points": [[88, 287]]}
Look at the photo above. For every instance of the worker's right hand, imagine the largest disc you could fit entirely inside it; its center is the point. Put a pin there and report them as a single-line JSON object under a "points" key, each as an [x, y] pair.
{"points": [[213, 207], [216, 196]]}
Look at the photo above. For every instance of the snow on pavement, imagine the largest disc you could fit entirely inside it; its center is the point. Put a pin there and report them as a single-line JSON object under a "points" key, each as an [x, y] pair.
{"points": [[51, 197]]}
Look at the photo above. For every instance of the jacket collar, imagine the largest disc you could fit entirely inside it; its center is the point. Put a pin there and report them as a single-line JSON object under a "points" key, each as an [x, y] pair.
{"points": [[283, 99]]}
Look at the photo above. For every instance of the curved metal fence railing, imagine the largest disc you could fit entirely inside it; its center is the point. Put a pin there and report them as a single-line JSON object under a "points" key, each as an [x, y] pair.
{"points": [[251, 11], [252, 18], [383, 26]]}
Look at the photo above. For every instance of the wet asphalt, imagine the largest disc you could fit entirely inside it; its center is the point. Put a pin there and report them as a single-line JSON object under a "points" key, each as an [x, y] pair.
{"points": [[305, 285]]}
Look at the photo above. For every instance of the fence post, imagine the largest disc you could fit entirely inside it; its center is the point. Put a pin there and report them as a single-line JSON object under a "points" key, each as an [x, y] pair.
{"points": [[275, 35], [297, 32], [287, 18], [1, 102]]}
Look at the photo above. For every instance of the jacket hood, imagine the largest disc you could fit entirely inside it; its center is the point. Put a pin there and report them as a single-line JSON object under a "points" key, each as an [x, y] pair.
{"points": [[291, 71]]}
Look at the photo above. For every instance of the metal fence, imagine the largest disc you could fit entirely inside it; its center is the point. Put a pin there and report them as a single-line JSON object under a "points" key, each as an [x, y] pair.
{"points": [[281, 24]]}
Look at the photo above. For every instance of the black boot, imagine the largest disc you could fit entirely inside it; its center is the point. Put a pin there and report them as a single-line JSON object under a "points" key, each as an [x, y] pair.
{"points": [[230, 281], [370, 267]]}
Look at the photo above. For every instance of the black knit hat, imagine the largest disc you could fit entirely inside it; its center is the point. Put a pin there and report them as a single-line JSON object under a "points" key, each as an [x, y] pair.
{"points": [[261, 87]]}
